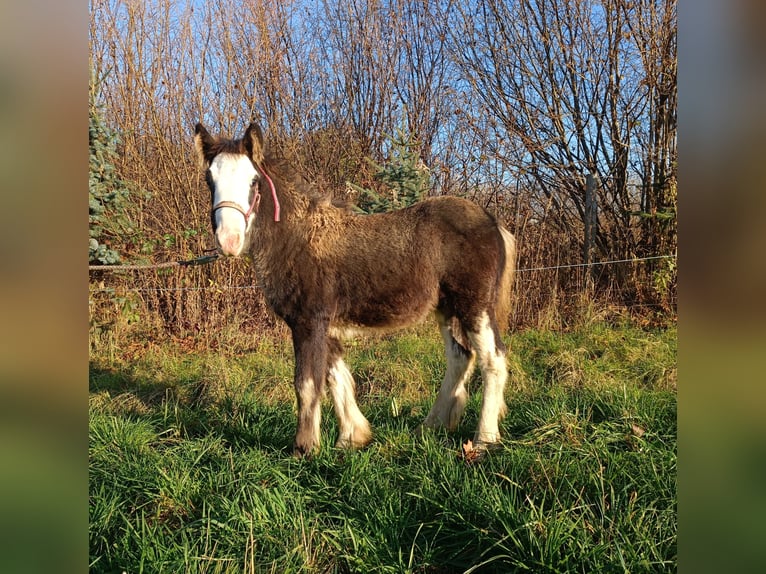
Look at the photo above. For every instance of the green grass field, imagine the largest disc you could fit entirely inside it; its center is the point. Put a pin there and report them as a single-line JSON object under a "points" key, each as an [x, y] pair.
{"points": [[191, 471]]}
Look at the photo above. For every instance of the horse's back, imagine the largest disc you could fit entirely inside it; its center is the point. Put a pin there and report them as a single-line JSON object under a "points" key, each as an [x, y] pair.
{"points": [[394, 268], [436, 221], [464, 236]]}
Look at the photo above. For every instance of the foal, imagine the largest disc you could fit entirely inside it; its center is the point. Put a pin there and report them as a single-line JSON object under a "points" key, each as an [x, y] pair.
{"points": [[329, 273]]}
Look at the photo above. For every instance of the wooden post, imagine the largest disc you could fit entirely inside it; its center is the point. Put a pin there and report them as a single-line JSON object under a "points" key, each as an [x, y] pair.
{"points": [[591, 219]]}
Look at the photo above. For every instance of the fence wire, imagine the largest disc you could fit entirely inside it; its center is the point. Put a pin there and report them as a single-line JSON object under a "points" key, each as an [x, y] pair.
{"points": [[209, 259]]}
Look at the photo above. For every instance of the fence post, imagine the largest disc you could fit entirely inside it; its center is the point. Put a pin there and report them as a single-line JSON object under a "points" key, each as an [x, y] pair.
{"points": [[591, 218]]}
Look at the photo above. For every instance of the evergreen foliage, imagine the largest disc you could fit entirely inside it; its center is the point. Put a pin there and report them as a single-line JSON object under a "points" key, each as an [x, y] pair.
{"points": [[405, 177], [107, 192]]}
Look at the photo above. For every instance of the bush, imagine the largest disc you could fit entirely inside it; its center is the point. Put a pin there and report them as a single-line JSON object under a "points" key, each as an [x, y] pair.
{"points": [[108, 194]]}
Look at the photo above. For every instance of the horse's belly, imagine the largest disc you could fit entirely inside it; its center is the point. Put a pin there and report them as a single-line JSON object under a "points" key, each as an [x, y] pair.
{"points": [[385, 313]]}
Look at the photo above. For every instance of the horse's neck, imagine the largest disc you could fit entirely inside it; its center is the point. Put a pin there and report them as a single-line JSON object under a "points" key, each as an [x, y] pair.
{"points": [[309, 229], [281, 250], [273, 241], [292, 205]]}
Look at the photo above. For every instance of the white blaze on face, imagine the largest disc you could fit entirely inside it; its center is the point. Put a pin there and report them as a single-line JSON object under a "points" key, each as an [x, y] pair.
{"points": [[232, 176]]}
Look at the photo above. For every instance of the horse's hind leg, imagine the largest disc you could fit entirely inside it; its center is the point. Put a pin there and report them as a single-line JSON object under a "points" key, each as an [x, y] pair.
{"points": [[354, 429], [491, 353], [449, 405]]}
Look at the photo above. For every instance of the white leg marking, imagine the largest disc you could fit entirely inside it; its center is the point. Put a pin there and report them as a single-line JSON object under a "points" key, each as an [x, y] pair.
{"points": [[494, 370], [449, 405], [355, 431], [308, 396]]}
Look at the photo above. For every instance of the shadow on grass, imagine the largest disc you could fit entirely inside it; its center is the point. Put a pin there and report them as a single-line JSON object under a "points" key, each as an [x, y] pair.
{"points": [[194, 407], [198, 403]]}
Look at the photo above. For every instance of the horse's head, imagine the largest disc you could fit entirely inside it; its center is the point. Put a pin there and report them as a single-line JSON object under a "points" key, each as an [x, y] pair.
{"points": [[232, 174]]}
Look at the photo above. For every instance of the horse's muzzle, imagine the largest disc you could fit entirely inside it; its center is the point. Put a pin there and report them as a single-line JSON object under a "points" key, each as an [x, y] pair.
{"points": [[230, 243]]}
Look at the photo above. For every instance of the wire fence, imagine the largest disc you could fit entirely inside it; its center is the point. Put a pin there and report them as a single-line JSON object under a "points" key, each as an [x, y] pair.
{"points": [[211, 258], [147, 266], [596, 263]]}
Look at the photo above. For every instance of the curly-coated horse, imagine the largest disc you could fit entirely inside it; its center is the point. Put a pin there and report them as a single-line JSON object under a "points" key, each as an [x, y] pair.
{"points": [[330, 273]]}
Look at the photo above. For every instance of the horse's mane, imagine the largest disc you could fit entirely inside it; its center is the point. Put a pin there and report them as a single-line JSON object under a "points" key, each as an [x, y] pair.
{"points": [[281, 167]]}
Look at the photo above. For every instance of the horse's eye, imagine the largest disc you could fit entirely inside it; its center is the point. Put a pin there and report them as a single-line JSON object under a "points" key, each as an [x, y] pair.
{"points": [[254, 182]]}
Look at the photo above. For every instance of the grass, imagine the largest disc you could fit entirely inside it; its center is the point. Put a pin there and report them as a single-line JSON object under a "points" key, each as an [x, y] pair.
{"points": [[190, 466]]}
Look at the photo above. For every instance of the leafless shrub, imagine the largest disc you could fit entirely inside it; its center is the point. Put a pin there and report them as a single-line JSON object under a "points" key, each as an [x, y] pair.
{"points": [[512, 103]]}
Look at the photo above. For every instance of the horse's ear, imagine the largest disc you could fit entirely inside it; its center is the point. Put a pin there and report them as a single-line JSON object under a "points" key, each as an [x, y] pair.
{"points": [[203, 142], [254, 143]]}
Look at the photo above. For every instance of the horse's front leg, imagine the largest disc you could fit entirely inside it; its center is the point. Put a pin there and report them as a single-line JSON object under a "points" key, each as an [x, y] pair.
{"points": [[310, 345], [355, 431]]}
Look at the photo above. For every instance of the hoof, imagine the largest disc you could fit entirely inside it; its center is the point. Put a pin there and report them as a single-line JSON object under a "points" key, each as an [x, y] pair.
{"points": [[474, 452], [303, 451], [358, 441], [422, 431]]}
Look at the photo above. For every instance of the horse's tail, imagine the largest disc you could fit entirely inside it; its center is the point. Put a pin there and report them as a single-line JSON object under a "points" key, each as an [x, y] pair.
{"points": [[505, 279]]}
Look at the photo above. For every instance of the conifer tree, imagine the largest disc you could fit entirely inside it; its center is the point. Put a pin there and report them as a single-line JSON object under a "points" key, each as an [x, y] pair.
{"points": [[108, 220], [405, 177]]}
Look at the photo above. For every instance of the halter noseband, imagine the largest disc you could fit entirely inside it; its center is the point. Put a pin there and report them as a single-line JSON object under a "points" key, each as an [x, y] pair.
{"points": [[254, 204]]}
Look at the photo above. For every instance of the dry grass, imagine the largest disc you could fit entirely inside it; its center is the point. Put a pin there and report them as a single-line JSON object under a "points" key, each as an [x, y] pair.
{"points": [[161, 69]]}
